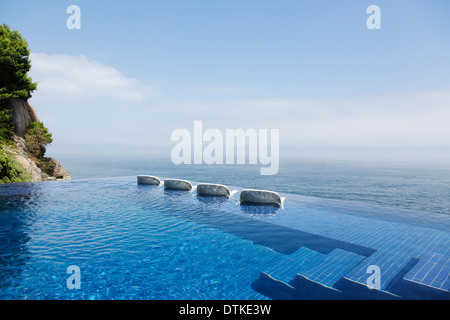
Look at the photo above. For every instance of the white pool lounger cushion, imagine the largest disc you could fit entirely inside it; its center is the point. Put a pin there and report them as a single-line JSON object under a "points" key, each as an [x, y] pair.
{"points": [[210, 189], [151, 180], [176, 184], [251, 196]]}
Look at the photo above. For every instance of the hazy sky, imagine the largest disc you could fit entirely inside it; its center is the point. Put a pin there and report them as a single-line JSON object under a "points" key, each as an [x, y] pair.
{"points": [[136, 71]]}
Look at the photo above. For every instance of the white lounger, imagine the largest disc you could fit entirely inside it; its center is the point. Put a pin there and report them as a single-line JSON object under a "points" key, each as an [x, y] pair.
{"points": [[260, 197], [176, 184], [154, 181], [210, 189]]}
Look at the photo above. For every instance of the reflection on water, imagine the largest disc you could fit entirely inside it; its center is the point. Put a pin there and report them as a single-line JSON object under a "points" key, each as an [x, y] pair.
{"points": [[260, 210], [213, 201], [17, 213], [242, 221]]}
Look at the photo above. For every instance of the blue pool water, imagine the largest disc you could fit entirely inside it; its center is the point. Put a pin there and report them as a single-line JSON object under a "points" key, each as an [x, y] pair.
{"points": [[142, 242]]}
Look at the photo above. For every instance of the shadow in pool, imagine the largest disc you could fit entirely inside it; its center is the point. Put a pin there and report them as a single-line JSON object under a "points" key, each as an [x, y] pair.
{"points": [[212, 200], [171, 195], [146, 187], [16, 220], [259, 210], [222, 214], [176, 193]]}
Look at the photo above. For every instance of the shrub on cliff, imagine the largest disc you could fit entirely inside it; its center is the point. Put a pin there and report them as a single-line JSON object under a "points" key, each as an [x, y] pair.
{"points": [[11, 170], [6, 127], [37, 138], [14, 65]]}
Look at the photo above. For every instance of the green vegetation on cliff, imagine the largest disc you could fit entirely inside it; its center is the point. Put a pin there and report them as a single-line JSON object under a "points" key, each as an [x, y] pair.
{"points": [[36, 140], [14, 65], [11, 170], [15, 83], [6, 128]]}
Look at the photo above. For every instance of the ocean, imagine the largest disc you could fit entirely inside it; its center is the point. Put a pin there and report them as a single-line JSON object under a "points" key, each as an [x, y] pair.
{"points": [[414, 186]]}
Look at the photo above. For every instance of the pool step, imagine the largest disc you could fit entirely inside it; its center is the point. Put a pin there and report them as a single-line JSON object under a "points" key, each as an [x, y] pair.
{"points": [[392, 267], [344, 275], [402, 277], [307, 275], [300, 288], [428, 279], [286, 269]]}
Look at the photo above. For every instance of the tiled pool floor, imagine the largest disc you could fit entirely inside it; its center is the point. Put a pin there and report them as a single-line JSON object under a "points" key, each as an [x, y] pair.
{"points": [[331, 246], [137, 242], [413, 261]]}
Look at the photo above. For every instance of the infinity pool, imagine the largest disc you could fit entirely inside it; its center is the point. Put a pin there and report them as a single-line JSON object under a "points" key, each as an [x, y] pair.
{"points": [[143, 242]]}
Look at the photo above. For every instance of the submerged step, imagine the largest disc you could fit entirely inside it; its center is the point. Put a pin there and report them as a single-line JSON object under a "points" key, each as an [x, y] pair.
{"points": [[429, 278], [177, 184], [432, 270], [359, 282], [286, 269], [332, 267], [307, 274], [150, 180]]}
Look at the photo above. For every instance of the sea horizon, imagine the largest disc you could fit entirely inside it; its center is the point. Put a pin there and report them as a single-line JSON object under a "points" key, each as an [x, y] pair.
{"points": [[421, 186]]}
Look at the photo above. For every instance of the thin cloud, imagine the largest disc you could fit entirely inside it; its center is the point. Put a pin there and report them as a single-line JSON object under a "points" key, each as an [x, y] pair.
{"points": [[419, 119], [223, 89], [78, 77]]}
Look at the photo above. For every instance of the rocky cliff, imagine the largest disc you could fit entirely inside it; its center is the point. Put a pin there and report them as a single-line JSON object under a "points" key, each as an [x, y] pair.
{"points": [[20, 153], [23, 114]]}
